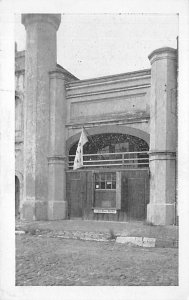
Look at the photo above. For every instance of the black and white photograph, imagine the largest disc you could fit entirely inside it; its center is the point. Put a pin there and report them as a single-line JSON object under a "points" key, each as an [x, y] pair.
{"points": [[98, 167]]}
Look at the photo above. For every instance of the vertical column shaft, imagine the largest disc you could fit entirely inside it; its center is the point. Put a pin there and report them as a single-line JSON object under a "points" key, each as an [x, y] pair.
{"points": [[163, 137], [57, 205], [40, 58]]}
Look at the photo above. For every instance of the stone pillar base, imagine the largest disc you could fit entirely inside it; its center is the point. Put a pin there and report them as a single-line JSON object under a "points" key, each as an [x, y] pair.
{"points": [[34, 210], [161, 214], [57, 210]]}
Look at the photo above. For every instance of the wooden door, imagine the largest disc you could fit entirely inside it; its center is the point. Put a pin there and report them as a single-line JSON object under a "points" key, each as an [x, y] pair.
{"points": [[136, 198], [76, 193], [132, 195], [135, 193]]}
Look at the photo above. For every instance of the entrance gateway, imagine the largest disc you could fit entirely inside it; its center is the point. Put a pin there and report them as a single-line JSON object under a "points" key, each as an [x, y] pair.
{"points": [[113, 184], [140, 103]]}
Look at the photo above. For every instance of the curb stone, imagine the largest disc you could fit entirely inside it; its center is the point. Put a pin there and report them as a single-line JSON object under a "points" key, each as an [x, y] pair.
{"points": [[130, 240], [20, 232], [137, 241], [149, 242]]}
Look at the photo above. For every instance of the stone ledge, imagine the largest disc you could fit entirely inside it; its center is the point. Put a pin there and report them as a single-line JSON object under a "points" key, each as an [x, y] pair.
{"points": [[136, 241], [149, 242], [130, 240]]}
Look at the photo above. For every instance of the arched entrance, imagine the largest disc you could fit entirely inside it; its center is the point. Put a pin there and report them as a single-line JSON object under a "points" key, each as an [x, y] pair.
{"points": [[113, 183], [17, 197], [109, 129], [112, 149]]}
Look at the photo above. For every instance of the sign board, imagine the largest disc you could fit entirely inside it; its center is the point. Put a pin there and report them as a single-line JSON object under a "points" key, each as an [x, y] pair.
{"points": [[105, 211]]}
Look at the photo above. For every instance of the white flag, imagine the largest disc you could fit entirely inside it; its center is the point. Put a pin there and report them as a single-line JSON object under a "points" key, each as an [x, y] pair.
{"points": [[78, 161]]}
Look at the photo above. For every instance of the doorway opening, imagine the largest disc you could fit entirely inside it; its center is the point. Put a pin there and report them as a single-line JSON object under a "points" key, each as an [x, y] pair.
{"points": [[113, 184]]}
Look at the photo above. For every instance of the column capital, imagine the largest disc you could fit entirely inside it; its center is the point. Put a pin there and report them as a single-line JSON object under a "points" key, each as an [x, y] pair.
{"points": [[61, 73], [161, 152], [163, 53], [56, 159], [57, 74], [162, 155], [53, 19]]}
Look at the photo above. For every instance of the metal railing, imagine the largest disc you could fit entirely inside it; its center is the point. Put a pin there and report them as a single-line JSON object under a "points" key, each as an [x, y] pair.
{"points": [[121, 159]]}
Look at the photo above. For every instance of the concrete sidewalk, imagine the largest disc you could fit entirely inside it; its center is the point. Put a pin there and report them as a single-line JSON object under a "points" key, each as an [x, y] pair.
{"points": [[166, 236]]}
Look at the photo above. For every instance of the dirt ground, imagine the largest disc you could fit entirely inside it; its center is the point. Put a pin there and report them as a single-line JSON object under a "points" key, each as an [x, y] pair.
{"points": [[44, 261]]}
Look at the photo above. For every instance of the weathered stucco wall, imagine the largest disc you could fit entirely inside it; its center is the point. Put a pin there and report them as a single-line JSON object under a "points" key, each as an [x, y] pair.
{"points": [[123, 96], [117, 103]]}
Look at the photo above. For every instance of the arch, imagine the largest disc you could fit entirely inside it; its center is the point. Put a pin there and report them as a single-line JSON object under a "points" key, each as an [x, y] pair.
{"points": [[18, 112], [109, 129], [18, 192]]}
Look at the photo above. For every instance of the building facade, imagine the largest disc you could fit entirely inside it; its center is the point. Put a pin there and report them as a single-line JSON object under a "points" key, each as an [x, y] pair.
{"points": [[129, 168]]}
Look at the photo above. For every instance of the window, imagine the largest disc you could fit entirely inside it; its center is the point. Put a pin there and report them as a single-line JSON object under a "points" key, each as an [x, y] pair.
{"points": [[107, 192], [105, 181]]}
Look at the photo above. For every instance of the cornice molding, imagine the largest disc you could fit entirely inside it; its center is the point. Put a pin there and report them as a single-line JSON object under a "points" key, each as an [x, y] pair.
{"points": [[109, 91], [114, 77], [79, 85], [112, 98], [116, 121]]}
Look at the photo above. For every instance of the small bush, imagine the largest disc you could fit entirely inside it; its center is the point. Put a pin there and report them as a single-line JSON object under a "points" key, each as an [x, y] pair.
{"points": [[149, 223], [112, 235], [31, 230]]}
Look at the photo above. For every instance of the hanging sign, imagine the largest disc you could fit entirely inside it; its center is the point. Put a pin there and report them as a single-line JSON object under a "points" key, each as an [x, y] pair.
{"points": [[105, 211]]}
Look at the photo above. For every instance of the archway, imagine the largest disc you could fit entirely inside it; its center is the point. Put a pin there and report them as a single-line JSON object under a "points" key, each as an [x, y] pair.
{"points": [[111, 129], [17, 197], [113, 149]]}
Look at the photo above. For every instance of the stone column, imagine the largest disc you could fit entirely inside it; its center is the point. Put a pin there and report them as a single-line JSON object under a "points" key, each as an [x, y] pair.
{"points": [[57, 205], [163, 137], [40, 58]]}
